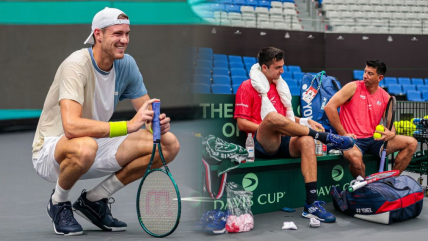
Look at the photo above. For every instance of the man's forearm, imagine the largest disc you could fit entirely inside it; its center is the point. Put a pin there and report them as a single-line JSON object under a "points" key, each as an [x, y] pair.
{"points": [[334, 119]]}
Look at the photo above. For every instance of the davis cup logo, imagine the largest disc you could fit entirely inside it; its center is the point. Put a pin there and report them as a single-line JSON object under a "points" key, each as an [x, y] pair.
{"points": [[337, 173], [250, 182]]}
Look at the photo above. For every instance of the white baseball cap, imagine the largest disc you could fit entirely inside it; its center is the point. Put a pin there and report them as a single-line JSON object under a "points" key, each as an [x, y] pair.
{"points": [[104, 18]]}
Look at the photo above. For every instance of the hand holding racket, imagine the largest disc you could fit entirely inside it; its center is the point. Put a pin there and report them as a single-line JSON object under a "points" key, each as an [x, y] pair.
{"points": [[158, 197], [388, 121], [355, 185]]}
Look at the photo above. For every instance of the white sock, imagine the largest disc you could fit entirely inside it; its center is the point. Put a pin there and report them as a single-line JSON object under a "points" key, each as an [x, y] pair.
{"points": [[60, 195], [105, 189]]}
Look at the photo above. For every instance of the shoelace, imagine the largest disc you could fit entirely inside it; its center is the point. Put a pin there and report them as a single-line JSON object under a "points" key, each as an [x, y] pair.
{"points": [[107, 210], [65, 214], [318, 205], [218, 217], [336, 140]]}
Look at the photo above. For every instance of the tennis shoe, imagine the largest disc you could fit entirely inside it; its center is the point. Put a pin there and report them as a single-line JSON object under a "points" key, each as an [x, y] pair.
{"points": [[98, 213], [218, 225], [317, 211], [206, 218], [62, 218], [342, 143]]}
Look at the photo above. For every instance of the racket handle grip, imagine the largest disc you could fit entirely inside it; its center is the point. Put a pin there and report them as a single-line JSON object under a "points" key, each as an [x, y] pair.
{"points": [[357, 186], [382, 160], [156, 122]]}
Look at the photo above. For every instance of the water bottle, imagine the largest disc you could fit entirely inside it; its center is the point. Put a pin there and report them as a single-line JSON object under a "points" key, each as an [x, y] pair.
{"points": [[249, 145]]}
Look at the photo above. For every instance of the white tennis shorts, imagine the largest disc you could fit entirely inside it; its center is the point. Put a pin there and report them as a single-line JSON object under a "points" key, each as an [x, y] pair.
{"points": [[105, 161]]}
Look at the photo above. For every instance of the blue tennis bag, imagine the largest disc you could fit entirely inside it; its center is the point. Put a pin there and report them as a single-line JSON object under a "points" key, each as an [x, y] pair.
{"points": [[389, 200], [326, 87]]}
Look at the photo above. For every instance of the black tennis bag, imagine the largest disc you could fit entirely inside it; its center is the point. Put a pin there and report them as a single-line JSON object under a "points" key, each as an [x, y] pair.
{"points": [[389, 200]]}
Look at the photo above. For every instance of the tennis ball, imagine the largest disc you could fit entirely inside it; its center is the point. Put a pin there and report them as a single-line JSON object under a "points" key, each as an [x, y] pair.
{"points": [[380, 128], [411, 121], [399, 130], [401, 123], [426, 117], [396, 123], [377, 135]]}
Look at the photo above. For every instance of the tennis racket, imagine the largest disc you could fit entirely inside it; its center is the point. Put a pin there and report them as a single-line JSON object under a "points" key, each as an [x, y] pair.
{"points": [[372, 178], [158, 197], [388, 121]]}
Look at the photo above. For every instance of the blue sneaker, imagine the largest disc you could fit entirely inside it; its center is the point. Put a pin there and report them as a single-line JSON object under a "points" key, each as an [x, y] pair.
{"points": [[342, 143], [207, 218], [62, 218], [317, 211], [98, 213], [218, 225]]}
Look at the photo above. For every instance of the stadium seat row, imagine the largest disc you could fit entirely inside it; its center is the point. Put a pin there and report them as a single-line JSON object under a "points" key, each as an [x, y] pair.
{"points": [[201, 88]]}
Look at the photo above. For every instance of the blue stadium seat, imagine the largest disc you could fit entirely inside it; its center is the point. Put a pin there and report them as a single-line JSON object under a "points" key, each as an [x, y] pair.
{"points": [[226, 1], [235, 88], [382, 83], [358, 74], [235, 58], [205, 50], [394, 89], [221, 89], [426, 81], [202, 78], [418, 81], [265, 4], [220, 57], [404, 81], [292, 82], [233, 8], [287, 75], [204, 63], [252, 3], [294, 68], [200, 88], [248, 66], [239, 2], [221, 64], [238, 72], [413, 95], [251, 60], [221, 79], [237, 80], [217, 7], [220, 71], [298, 75], [202, 70], [295, 90], [285, 68], [390, 80], [236, 65], [202, 56], [408, 87], [421, 87], [425, 95]]}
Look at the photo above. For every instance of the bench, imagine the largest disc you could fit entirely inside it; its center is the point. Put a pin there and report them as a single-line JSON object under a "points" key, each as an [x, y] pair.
{"points": [[278, 183], [275, 183]]}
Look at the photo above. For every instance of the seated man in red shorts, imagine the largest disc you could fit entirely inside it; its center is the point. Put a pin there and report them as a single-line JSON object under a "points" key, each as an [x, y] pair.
{"points": [[362, 104], [263, 107]]}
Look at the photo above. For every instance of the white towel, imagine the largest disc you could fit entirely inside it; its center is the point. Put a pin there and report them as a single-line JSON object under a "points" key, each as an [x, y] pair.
{"points": [[261, 85]]}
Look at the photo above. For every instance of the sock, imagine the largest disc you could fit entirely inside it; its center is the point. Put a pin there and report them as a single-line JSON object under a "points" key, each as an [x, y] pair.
{"points": [[311, 192], [105, 189], [60, 195], [322, 136]]}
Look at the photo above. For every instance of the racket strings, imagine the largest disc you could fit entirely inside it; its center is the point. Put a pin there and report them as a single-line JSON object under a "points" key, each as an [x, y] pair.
{"points": [[158, 203]]}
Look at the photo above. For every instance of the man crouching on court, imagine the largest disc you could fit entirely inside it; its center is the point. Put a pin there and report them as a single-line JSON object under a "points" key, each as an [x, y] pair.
{"points": [[74, 139]]}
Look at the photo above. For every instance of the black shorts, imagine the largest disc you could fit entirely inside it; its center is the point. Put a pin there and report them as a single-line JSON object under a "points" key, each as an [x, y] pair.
{"points": [[369, 145], [282, 152]]}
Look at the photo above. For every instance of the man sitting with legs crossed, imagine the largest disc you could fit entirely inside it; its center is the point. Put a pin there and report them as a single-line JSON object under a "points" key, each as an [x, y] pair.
{"points": [[263, 107]]}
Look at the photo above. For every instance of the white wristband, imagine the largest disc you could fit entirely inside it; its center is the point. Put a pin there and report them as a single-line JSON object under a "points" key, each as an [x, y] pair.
{"points": [[304, 122]]}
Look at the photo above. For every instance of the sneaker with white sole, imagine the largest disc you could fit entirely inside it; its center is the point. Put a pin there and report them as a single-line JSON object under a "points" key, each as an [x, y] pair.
{"points": [[218, 225], [98, 213], [317, 211], [62, 218]]}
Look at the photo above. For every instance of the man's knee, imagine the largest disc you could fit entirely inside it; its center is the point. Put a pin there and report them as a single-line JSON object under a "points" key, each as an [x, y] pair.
{"points": [[274, 119], [81, 153], [306, 143], [170, 145]]}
